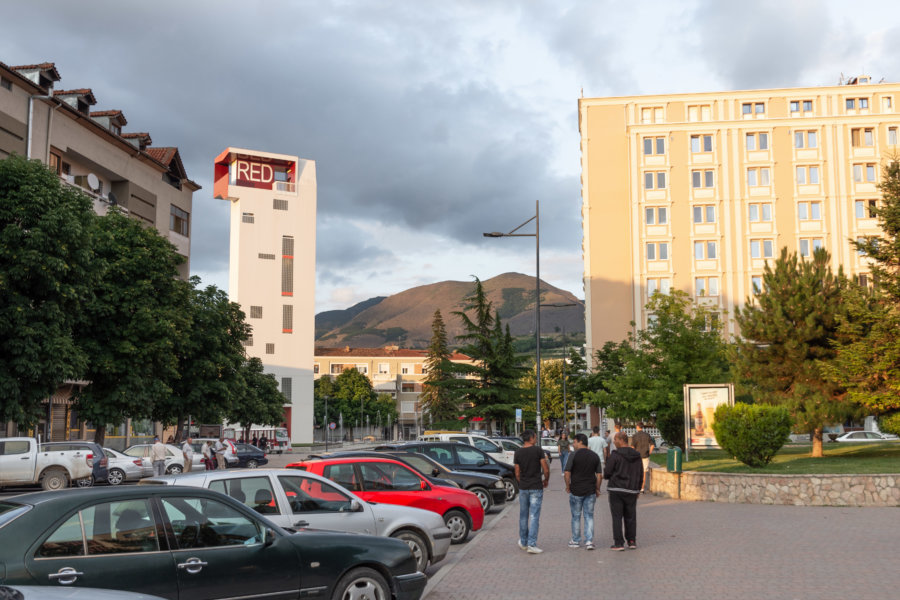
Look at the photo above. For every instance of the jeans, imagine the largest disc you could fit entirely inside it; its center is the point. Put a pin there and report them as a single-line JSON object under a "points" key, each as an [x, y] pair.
{"points": [[582, 505], [529, 515], [623, 507], [159, 467], [563, 458]]}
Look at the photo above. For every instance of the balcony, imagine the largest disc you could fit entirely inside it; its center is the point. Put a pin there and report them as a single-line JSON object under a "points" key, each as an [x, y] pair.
{"points": [[286, 187]]}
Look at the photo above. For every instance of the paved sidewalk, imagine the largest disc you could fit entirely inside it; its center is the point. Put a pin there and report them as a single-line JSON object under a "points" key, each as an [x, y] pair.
{"points": [[686, 550]]}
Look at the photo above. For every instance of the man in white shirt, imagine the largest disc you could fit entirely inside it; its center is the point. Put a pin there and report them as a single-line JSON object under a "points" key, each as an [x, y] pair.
{"points": [[158, 457], [187, 451], [220, 449], [598, 444]]}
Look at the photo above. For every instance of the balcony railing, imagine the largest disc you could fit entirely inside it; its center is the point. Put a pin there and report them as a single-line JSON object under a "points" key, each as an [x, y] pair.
{"points": [[286, 186]]}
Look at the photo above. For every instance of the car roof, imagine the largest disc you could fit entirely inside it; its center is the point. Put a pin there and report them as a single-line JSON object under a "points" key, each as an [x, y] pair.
{"points": [[350, 459], [222, 474], [96, 493]]}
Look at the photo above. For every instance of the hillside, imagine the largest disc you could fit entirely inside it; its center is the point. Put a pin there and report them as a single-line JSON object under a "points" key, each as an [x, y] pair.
{"points": [[405, 318]]}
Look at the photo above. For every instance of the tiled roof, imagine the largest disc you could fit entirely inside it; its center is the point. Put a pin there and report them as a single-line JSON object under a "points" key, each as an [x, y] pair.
{"points": [[388, 352], [105, 113], [163, 155], [45, 66], [138, 134], [86, 92]]}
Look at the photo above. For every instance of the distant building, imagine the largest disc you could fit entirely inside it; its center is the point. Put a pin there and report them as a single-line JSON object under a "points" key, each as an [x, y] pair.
{"points": [[392, 370], [89, 150], [272, 267], [697, 192]]}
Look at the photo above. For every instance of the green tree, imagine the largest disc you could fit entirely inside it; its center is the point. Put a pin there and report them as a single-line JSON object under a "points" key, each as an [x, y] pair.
{"points": [[45, 277], [258, 401], [867, 363], [787, 334], [551, 388], [609, 364], [436, 396], [130, 325]]}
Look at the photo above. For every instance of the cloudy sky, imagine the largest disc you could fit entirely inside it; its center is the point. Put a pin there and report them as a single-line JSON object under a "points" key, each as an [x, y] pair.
{"points": [[430, 121]]}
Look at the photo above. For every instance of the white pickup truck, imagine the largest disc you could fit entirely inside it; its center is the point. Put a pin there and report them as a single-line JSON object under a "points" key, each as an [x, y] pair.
{"points": [[23, 463]]}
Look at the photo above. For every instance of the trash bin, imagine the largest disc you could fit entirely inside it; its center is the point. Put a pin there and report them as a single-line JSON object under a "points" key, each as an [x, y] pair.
{"points": [[673, 460]]}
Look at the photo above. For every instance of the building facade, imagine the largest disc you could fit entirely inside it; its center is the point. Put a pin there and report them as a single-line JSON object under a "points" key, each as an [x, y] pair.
{"points": [[392, 370], [272, 267], [697, 192]]}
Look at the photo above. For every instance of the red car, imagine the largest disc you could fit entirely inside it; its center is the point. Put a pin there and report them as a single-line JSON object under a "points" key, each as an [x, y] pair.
{"points": [[392, 482]]}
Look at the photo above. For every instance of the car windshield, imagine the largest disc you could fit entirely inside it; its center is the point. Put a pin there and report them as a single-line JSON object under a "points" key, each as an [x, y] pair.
{"points": [[9, 511]]}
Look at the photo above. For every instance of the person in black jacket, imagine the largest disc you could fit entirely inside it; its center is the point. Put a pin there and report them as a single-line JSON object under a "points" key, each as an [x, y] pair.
{"points": [[624, 474]]}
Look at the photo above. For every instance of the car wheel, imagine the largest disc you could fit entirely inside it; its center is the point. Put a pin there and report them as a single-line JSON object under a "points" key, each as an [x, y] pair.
{"points": [[116, 476], [416, 544], [174, 470], [252, 464], [54, 479], [362, 584], [459, 526], [483, 496], [86, 482], [511, 490]]}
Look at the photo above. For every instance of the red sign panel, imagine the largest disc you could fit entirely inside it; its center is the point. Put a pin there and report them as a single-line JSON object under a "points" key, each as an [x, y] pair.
{"points": [[253, 174]]}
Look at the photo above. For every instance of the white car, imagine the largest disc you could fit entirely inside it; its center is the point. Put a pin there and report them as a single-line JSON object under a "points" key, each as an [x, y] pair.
{"points": [[485, 444], [174, 457], [295, 499], [550, 445], [866, 436], [124, 468]]}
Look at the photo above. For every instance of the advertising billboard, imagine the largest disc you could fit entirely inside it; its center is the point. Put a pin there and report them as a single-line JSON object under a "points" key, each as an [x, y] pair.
{"points": [[700, 404]]}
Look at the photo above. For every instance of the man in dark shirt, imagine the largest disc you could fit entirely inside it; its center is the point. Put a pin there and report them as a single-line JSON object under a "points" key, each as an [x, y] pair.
{"points": [[583, 477], [643, 443], [530, 464], [623, 484]]}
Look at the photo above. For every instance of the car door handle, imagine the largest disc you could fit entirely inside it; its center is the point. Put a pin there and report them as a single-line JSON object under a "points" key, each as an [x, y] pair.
{"points": [[192, 565], [301, 523], [25, 458], [66, 575]]}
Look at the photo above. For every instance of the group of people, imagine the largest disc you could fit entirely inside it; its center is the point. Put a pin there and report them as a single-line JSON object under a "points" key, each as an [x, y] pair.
{"points": [[214, 455], [586, 462]]}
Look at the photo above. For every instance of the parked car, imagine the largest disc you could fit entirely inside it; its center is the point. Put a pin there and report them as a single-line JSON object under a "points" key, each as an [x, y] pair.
{"points": [[393, 482], [296, 499], [230, 451], [514, 443], [549, 446], [174, 457], [124, 468], [865, 436], [24, 463], [95, 457], [249, 456], [182, 542], [35, 592], [485, 444], [401, 456], [460, 457]]}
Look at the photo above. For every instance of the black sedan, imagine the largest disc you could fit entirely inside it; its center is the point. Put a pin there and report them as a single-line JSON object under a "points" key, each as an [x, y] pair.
{"points": [[190, 543], [249, 456]]}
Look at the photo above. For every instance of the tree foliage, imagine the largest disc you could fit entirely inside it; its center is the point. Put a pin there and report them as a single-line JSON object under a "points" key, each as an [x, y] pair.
{"points": [[256, 399], [350, 395], [437, 398], [753, 434], [45, 276], [787, 337]]}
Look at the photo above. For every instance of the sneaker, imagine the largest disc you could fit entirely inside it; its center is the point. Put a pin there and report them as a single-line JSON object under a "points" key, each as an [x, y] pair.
{"points": [[632, 545], [617, 548], [521, 545], [533, 550], [573, 544], [589, 546]]}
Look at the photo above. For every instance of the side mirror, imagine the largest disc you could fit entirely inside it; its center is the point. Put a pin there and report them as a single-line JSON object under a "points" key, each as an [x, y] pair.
{"points": [[482, 463], [423, 485], [269, 537], [355, 506]]}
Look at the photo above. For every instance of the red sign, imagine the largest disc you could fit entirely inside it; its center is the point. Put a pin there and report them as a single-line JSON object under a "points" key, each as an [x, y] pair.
{"points": [[249, 173]]}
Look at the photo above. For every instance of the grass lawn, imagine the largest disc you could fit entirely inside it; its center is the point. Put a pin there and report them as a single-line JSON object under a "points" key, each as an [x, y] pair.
{"points": [[839, 458]]}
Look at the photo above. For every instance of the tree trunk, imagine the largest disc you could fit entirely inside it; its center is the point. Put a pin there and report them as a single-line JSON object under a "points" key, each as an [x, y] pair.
{"points": [[179, 428], [817, 443], [100, 434]]}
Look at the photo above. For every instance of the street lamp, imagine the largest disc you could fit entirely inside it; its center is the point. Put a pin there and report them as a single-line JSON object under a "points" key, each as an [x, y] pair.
{"points": [[537, 299]]}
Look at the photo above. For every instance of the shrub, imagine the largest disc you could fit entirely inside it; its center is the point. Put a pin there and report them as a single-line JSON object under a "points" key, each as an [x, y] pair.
{"points": [[671, 427], [890, 423], [752, 433]]}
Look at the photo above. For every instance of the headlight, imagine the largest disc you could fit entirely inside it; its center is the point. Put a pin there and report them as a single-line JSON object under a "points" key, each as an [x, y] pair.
{"points": [[499, 484]]}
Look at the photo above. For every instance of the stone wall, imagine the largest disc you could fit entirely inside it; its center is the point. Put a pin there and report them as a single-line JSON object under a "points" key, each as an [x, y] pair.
{"points": [[801, 490]]}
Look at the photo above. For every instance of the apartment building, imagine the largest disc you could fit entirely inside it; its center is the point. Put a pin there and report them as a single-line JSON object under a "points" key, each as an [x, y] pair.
{"points": [[697, 192], [392, 370], [89, 149], [272, 267]]}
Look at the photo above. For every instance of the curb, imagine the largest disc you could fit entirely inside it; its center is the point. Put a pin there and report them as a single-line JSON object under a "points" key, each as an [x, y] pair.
{"points": [[439, 576]]}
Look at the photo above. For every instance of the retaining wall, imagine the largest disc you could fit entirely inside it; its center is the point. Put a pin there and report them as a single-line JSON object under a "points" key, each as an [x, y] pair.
{"points": [[801, 490]]}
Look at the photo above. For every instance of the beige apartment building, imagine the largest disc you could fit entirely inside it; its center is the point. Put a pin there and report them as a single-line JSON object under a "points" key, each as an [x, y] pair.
{"points": [[272, 268], [90, 150], [392, 370], [697, 191]]}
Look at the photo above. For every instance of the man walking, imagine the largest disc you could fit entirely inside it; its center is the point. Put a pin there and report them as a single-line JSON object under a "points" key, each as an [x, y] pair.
{"points": [[598, 445], [158, 457], [187, 451], [531, 465], [623, 484], [583, 477], [563, 445], [643, 443], [207, 456], [220, 449]]}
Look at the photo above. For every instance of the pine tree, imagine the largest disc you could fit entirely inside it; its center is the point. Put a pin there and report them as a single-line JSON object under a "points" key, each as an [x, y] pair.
{"points": [[436, 396], [787, 335]]}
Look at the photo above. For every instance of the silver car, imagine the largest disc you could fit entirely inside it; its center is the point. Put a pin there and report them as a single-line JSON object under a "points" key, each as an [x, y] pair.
{"points": [[296, 499], [126, 468], [174, 457]]}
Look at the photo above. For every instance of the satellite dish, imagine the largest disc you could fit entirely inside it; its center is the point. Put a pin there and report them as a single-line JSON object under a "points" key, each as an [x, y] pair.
{"points": [[93, 182], [113, 201]]}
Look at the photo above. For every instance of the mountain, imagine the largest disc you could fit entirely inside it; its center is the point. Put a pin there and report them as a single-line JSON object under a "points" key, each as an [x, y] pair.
{"points": [[405, 318]]}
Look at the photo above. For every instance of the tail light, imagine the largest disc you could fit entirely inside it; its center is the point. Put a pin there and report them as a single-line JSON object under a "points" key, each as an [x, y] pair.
{"points": [[89, 459], [138, 462]]}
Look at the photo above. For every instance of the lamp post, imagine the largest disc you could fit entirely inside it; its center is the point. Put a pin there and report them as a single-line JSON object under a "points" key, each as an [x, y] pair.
{"points": [[325, 420], [537, 299]]}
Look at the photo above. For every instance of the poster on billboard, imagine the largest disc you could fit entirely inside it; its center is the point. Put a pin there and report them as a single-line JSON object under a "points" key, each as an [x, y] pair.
{"points": [[700, 404]]}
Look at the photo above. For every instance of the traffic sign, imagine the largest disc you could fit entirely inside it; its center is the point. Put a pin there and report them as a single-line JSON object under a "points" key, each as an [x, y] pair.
{"points": [[518, 415], [331, 425]]}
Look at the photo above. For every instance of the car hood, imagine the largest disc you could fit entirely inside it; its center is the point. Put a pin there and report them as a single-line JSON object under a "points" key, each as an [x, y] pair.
{"points": [[396, 512], [486, 476]]}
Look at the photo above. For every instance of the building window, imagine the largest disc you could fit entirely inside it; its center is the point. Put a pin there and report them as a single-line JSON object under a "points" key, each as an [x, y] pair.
{"points": [[287, 318], [704, 214], [762, 248], [807, 175], [864, 173], [279, 204], [663, 285], [247, 217], [179, 221], [270, 348], [862, 137], [652, 115], [852, 103], [256, 312], [706, 286], [5, 83], [757, 176], [863, 280], [364, 369], [315, 368], [248, 341], [702, 179], [748, 108], [658, 251], [656, 215], [887, 104], [701, 143], [757, 141], [655, 180], [287, 266], [336, 368], [384, 368], [266, 256], [55, 162], [759, 212], [654, 145], [705, 250], [797, 105], [806, 139], [756, 283], [865, 209], [407, 368], [407, 388], [286, 384], [892, 136], [809, 211], [807, 246]]}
